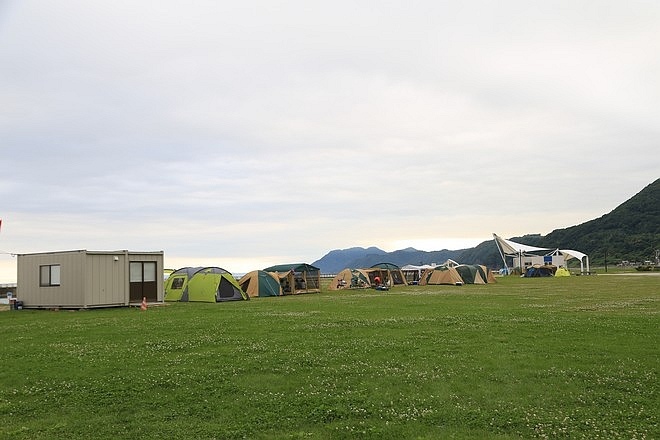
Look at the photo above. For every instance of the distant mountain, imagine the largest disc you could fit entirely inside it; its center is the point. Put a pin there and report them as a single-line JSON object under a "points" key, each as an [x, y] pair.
{"points": [[337, 260], [630, 232], [403, 257]]}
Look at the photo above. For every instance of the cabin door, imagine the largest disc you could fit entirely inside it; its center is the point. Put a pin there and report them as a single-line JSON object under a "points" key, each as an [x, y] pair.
{"points": [[143, 281]]}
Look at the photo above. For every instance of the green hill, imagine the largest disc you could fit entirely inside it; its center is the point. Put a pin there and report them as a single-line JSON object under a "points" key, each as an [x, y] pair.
{"points": [[629, 232]]}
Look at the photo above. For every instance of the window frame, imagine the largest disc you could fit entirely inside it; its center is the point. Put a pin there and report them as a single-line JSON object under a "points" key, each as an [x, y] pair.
{"points": [[50, 275]]}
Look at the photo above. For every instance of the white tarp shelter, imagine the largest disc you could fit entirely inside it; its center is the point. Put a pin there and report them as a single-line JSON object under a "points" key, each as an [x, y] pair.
{"points": [[517, 251], [569, 253]]}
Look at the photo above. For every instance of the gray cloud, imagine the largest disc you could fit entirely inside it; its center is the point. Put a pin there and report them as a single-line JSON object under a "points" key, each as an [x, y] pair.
{"points": [[256, 131]]}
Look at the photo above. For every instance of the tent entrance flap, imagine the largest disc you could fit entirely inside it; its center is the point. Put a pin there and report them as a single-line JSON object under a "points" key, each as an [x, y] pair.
{"points": [[226, 290]]}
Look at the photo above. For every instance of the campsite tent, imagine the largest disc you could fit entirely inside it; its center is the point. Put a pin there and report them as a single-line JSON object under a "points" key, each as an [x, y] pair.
{"points": [[562, 272], [538, 270], [471, 274], [441, 275], [205, 284], [395, 276], [414, 273], [378, 278], [176, 285], [304, 277], [213, 284], [350, 279], [486, 274], [260, 283]]}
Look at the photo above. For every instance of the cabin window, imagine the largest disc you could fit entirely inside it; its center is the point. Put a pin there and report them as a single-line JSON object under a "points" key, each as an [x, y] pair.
{"points": [[49, 275]]}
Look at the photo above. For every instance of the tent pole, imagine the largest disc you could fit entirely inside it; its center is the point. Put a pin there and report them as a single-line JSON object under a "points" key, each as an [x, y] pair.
{"points": [[499, 248]]}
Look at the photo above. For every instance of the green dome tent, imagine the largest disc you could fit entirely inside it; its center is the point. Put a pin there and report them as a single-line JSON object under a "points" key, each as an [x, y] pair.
{"points": [[206, 284], [176, 285]]}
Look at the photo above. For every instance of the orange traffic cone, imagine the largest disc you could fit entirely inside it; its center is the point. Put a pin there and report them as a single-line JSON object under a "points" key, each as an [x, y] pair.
{"points": [[143, 306]]}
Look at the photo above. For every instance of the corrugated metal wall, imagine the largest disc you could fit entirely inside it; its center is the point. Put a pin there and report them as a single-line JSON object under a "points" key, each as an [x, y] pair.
{"points": [[105, 282], [70, 291]]}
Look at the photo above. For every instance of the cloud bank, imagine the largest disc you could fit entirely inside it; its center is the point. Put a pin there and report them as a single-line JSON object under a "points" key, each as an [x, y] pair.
{"points": [[251, 134]]}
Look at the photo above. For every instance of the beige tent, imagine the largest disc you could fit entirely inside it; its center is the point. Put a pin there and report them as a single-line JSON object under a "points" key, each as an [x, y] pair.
{"points": [[490, 276], [287, 281], [441, 275], [413, 273], [390, 274], [298, 278], [472, 273], [350, 279], [261, 283]]}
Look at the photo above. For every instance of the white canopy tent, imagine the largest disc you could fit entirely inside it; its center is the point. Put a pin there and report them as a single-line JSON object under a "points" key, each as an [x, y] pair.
{"points": [[512, 248], [584, 258], [518, 250]]}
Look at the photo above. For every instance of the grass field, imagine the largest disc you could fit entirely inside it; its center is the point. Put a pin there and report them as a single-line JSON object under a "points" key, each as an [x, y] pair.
{"points": [[573, 357]]}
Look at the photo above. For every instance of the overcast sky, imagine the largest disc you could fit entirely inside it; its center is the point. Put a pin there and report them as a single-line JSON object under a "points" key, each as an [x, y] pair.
{"points": [[246, 134]]}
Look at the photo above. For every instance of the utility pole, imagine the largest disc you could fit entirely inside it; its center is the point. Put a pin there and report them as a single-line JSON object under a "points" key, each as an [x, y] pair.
{"points": [[605, 260]]}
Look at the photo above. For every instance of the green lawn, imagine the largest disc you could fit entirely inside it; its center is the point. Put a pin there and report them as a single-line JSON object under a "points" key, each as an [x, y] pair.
{"points": [[567, 358]]}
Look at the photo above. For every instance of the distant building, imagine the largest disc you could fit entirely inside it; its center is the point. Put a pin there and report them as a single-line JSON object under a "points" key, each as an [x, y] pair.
{"points": [[7, 290], [85, 279]]}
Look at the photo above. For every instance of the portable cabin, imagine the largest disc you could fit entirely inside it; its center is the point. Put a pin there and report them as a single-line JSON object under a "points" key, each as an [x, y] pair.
{"points": [[87, 279]]}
